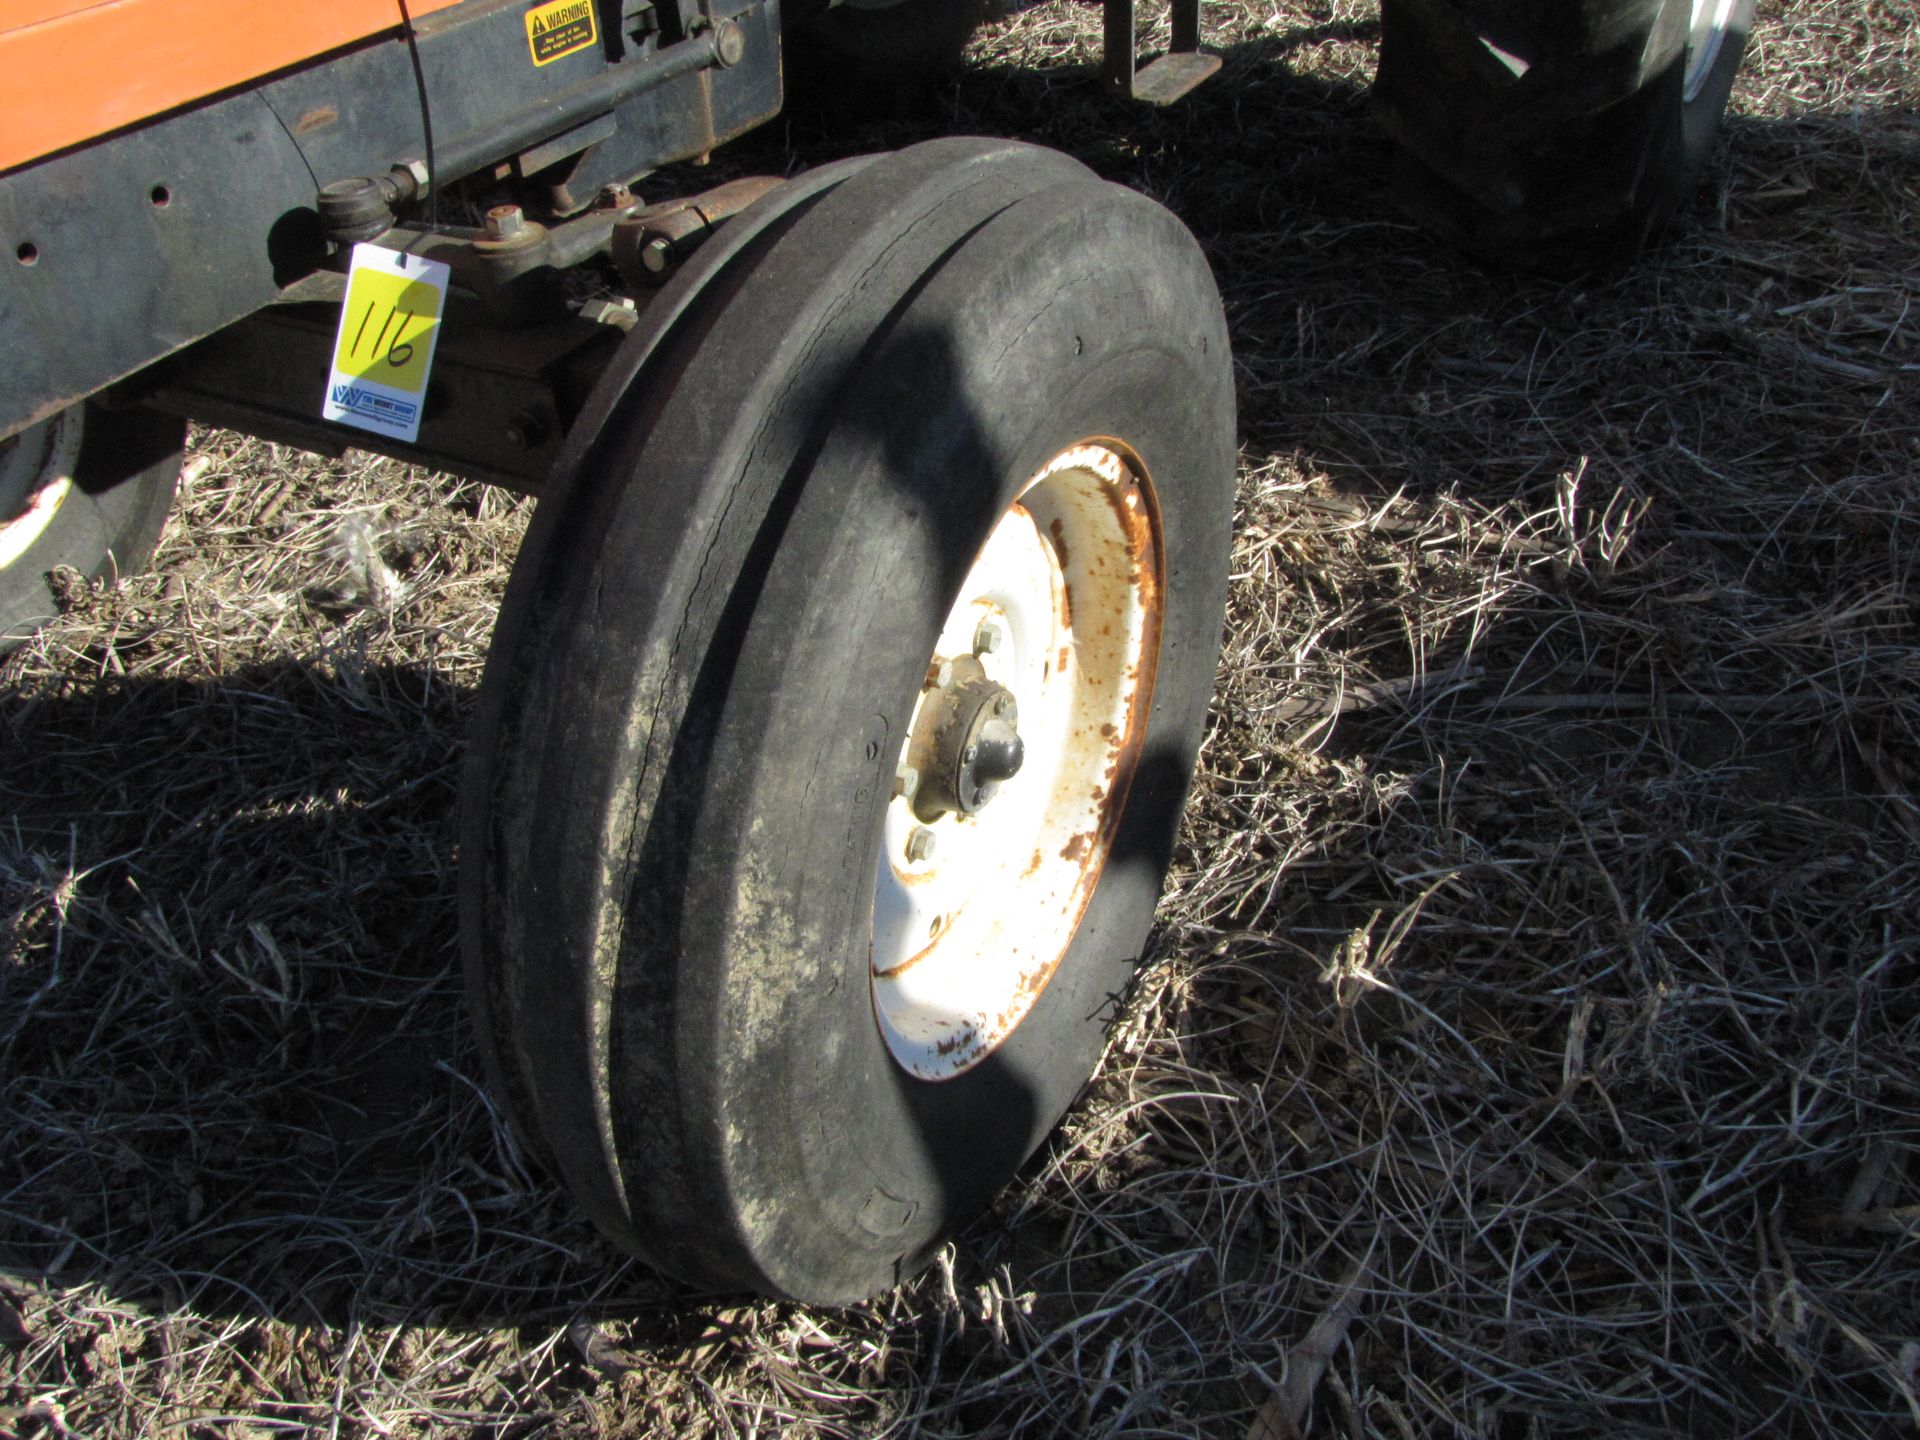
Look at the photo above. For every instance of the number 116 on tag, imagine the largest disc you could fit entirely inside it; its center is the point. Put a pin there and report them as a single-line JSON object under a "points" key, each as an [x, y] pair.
{"points": [[383, 352]]}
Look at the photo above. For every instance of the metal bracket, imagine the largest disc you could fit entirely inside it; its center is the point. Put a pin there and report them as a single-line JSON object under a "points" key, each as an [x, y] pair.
{"points": [[501, 400], [1166, 79]]}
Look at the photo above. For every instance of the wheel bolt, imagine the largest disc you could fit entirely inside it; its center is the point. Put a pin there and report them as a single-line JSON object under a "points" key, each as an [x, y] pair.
{"points": [[906, 780], [940, 674], [729, 44], [987, 638], [920, 845]]}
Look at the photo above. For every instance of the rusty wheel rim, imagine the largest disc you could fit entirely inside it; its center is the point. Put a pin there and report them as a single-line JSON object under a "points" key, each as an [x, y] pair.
{"points": [[1057, 624]]}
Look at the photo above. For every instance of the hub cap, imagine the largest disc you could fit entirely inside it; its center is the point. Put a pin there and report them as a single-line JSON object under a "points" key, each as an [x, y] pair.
{"points": [[1016, 766]]}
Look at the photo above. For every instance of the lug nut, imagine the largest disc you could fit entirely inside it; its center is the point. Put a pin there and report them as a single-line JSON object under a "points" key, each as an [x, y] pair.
{"points": [[987, 639], [940, 674], [906, 780], [920, 845]]}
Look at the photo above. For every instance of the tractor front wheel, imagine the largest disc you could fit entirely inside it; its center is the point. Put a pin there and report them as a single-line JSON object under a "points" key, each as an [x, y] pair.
{"points": [[841, 716]]}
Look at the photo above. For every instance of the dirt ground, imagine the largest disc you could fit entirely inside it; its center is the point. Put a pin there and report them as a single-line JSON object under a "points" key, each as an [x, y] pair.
{"points": [[1529, 1040]]}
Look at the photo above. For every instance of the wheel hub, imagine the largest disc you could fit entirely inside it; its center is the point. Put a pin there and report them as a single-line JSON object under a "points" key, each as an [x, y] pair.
{"points": [[1016, 763], [965, 743]]}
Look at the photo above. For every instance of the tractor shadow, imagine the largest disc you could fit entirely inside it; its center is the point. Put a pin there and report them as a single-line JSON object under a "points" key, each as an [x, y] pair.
{"points": [[241, 1076], [1280, 131]]}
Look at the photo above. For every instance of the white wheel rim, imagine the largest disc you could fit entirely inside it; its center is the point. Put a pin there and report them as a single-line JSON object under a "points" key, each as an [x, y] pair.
{"points": [[1704, 39], [966, 939], [36, 476]]}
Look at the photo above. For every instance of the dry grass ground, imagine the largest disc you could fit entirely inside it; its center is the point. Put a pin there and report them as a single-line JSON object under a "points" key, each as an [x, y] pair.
{"points": [[1529, 1045]]}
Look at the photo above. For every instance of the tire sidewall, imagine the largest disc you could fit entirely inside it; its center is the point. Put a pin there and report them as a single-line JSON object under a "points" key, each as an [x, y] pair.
{"points": [[843, 1170]]}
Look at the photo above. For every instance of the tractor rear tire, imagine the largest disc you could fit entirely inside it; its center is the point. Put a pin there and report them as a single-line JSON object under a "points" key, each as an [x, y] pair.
{"points": [[1554, 137]]}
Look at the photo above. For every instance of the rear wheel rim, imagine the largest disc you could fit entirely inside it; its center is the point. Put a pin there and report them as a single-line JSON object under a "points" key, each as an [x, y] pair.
{"points": [[1060, 615]]}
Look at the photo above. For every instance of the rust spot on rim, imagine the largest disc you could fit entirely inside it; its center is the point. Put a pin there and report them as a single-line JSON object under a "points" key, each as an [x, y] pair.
{"points": [[957, 1041]]}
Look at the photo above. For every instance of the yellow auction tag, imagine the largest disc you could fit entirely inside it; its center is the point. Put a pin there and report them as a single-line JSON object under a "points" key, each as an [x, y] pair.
{"points": [[386, 319], [383, 351]]}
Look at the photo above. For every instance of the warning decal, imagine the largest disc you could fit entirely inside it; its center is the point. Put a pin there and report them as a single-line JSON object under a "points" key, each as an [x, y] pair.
{"points": [[559, 28]]}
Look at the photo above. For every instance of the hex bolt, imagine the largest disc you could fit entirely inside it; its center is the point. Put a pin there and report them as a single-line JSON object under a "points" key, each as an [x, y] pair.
{"points": [[941, 673], [525, 431], [906, 780], [615, 197], [657, 255], [505, 221], [987, 638], [920, 845]]}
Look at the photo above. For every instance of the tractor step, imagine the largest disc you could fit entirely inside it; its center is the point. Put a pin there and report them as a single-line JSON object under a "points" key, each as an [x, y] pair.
{"points": [[1168, 78]]}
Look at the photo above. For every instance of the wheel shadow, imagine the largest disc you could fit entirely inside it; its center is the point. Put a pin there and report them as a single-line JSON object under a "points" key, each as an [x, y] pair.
{"points": [[241, 1079]]}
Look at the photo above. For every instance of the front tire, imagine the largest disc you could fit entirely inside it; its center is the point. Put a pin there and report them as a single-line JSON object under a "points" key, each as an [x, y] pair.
{"points": [[686, 808], [86, 489]]}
